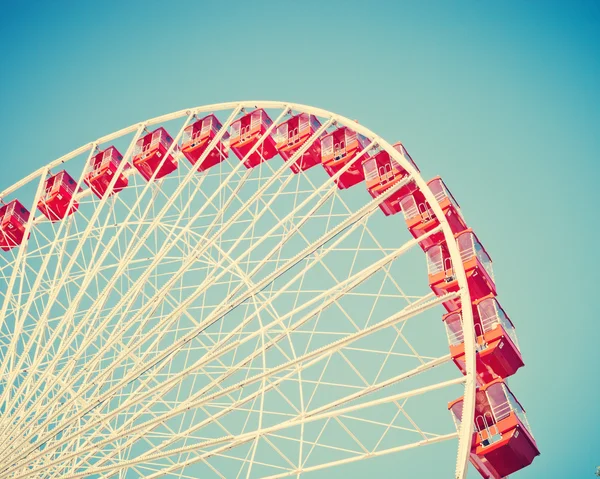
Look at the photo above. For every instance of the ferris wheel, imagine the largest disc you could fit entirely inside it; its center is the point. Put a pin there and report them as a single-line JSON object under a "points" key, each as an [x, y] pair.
{"points": [[248, 289]]}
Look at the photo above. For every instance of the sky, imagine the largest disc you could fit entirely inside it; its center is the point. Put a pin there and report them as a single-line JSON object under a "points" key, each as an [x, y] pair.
{"points": [[499, 98]]}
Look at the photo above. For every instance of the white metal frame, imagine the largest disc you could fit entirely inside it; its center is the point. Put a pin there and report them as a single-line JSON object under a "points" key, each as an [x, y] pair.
{"points": [[8, 365]]}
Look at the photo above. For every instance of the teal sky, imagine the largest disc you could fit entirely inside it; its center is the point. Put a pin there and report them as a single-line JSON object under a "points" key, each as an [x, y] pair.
{"points": [[501, 99]]}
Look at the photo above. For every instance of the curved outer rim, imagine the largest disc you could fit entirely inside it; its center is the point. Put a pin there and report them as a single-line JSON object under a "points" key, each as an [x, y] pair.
{"points": [[466, 428]]}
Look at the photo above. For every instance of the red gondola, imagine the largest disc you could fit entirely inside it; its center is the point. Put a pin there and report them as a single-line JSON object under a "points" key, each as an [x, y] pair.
{"points": [[477, 265], [197, 137], [419, 216], [502, 441], [149, 152], [58, 192], [13, 219], [498, 352], [247, 132], [104, 166], [292, 134], [338, 149], [382, 172]]}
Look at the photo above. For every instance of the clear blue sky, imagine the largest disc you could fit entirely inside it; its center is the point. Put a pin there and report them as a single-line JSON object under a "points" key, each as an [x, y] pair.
{"points": [[500, 98]]}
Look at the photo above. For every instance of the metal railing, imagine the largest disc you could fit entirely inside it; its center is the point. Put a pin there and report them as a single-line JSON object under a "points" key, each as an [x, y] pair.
{"points": [[485, 422]]}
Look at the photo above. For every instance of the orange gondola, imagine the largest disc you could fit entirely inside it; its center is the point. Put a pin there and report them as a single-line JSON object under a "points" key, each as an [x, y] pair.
{"points": [[196, 139], [502, 442], [477, 265], [419, 216], [292, 134], [498, 354], [58, 192], [339, 148], [13, 219], [382, 172], [249, 130], [104, 166], [149, 153]]}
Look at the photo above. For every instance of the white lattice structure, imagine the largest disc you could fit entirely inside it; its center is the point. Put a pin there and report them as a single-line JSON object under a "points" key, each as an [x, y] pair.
{"points": [[230, 323]]}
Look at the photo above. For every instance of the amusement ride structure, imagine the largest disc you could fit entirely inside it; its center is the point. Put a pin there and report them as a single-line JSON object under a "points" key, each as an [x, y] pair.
{"points": [[239, 290]]}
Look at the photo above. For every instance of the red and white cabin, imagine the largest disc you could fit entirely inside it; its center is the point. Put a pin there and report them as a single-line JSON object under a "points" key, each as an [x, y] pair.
{"points": [[498, 354], [477, 265], [246, 132], [502, 441], [150, 151], [104, 166], [419, 216], [382, 172], [197, 137], [58, 192], [291, 135], [339, 148], [13, 219]]}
